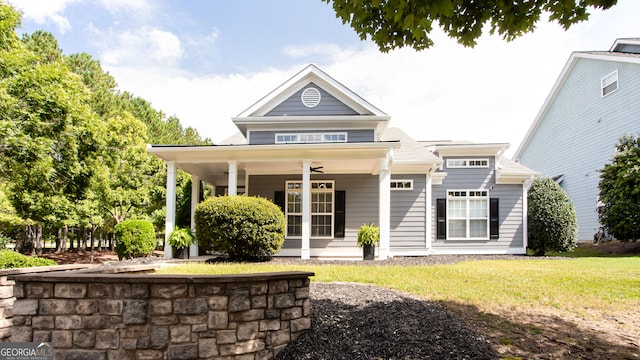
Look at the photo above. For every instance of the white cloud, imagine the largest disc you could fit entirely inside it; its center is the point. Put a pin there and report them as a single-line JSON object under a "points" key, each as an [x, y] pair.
{"points": [[118, 6], [45, 11], [143, 47]]}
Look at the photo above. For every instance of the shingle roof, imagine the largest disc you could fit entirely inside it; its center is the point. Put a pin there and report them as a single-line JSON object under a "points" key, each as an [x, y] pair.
{"points": [[410, 150]]}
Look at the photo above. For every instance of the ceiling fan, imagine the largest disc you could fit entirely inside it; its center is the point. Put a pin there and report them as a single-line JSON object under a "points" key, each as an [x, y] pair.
{"points": [[317, 169]]}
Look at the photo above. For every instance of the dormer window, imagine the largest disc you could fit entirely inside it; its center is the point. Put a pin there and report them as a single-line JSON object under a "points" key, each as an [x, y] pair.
{"points": [[609, 84], [302, 138]]}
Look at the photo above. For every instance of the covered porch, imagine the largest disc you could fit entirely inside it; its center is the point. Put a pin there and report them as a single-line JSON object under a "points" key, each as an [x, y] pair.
{"points": [[230, 168]]}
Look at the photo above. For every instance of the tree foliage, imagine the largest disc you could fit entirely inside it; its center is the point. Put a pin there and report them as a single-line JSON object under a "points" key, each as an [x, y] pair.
{"points": [[395, 24], [620, 191], [552, 221]]}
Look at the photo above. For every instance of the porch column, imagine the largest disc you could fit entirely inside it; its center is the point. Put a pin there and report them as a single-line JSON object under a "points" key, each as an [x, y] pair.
{"points": [[233, 178], [428, 229], [305, 251], [195, 197], [384, 204], [170, 220]]}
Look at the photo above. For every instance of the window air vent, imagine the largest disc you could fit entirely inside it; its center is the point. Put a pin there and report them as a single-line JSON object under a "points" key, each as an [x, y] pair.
{"points": [[310, 97]]}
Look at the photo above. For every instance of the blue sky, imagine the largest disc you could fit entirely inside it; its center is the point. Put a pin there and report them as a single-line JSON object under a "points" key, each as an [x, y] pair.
{"points": [[206, 61]]}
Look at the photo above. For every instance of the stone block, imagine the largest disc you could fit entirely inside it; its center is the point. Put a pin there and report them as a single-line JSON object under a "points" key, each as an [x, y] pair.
{"points": [[149, 355], [296, 283], [70, 291], [183, 352], [264, 355], [283, 301], [110, 307], [218, 320], [291, 313], [107, 339], [134, 312], [259, 302], [57, 307], [100, 291], [68, 322], [269, 325], [62, 339], [129, 344], [180, 334], [121, 354], [278, 286], [122, 291], [193, 319], [164, 320], [41, 336], [96, 322], [226, 337], [87, 307], [21, 334], [261, 288], [160, 307], [25, 307], [139, 291], [85, 339], [302, 293], [159, 337], [6, 291], [218, 302], [38, 290], [190, 306], [42, 322], [300, 324], [250, 315], [209, 290], [239, 301], [207, 348], [306, 307], [240, 348], [135, 331], [248, 330], [280, 337], [272, 314], [85, 355], [169, 291], [198, 328], [18, 291]]}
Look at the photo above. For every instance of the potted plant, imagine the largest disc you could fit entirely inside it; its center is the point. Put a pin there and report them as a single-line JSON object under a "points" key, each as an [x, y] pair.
{"points": [[180, 240], [368, 237]]}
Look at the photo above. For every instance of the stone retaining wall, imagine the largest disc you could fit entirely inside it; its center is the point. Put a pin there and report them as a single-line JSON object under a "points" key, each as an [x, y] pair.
{"points": [[136, 316]]}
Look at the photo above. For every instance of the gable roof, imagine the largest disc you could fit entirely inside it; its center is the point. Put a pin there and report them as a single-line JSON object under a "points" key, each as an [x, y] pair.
{"points": [[612, 55], [258, 113]]}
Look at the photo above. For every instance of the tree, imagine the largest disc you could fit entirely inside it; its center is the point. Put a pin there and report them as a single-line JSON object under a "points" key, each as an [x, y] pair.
{"points": [[395, 24], [552, 221], [620, 191]]}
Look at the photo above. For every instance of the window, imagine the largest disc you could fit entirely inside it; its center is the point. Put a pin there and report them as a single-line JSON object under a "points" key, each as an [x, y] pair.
{"points": [[401, 184], [609, 84], [322, 208], [467, 214], [467, 163], [301, 138]]}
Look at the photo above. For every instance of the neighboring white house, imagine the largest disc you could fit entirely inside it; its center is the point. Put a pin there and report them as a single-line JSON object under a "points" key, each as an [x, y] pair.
{"points": [[595, 100], [328, 158]]}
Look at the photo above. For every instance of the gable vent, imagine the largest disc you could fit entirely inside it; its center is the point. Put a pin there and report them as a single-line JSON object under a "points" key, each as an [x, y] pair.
{"points": [[310, 97]]}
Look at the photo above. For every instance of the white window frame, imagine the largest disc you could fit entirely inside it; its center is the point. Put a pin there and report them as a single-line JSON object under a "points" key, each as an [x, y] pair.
{"points": [[306, 138], [467, 163], [401, 184], [607, 81], [317, 187], [468, 195]]}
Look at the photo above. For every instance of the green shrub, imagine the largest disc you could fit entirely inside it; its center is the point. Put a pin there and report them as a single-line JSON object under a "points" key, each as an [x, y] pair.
{"points": [[553, 225], [368, 234], [134, 238], [242, 227], [10, 259], [181, 238]]}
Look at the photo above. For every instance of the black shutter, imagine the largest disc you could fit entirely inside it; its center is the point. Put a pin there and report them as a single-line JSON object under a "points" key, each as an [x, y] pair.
{"points": [[278, 199], [441, 216], [339, 220], [494, 218]]}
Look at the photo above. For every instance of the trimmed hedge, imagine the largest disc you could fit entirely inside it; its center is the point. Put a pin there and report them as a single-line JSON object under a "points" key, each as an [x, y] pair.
{"points": [[10, 259], [241, 227], [134, 238]]}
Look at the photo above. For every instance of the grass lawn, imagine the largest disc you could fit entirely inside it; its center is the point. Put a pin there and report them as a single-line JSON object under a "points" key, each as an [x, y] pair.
{"points": [[588, 303]]}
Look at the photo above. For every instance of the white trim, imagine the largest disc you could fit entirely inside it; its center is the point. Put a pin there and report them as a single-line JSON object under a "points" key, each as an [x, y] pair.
{"points": [[478, 251], [232, 178], [170, 217], [306, 209], [384, 204], [607, 81], [195, 196], [466, 163], [399, 182], [467, 217], [428, 229], [525, 216]]}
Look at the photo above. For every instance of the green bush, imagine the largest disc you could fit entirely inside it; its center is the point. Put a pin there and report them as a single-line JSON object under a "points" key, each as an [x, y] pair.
{"points": [[553, 225], [181, 238], [368, 234], [10, 259], [241, 227], [134, 238]]}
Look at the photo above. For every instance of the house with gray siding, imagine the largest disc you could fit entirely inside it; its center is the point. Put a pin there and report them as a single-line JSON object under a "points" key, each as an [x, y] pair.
{"points": [[594, 101], [332, 163]]}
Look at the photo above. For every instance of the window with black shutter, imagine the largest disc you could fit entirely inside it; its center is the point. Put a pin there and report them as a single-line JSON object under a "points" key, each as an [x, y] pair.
{"points": [[494, 218], [441, 216]]}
